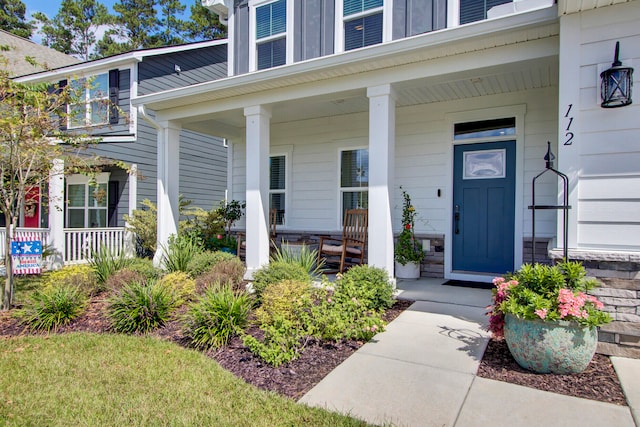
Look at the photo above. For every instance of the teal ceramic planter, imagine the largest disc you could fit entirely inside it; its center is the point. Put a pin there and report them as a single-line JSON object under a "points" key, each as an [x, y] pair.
{"points": [[550, 347]]}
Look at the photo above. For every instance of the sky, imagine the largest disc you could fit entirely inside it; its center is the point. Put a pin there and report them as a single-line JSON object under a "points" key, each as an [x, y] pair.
{"points": [[51, 7]]}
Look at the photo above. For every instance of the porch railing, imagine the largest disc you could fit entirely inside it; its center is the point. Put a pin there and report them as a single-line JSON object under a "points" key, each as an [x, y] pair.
{"points": [[81, 242], [41, 234]]}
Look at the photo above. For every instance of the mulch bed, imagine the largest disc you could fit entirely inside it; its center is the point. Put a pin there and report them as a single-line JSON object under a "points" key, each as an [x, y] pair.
{"points": [[294, 379]]}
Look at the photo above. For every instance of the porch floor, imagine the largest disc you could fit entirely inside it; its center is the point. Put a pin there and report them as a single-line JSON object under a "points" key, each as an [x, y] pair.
{"points": [[422, 372]]}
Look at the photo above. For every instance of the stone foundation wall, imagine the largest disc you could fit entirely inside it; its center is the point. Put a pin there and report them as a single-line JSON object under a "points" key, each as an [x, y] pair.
{"points": [[433, 263], [619, 277]]}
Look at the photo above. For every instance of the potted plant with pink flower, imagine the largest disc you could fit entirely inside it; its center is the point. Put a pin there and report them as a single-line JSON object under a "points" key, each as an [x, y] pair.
{"points": [[408, 252], [547, 318]]}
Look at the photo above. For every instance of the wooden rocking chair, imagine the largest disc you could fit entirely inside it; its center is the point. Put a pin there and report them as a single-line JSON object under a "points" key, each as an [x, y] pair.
{"points": [[350, 249], [242, 238]]}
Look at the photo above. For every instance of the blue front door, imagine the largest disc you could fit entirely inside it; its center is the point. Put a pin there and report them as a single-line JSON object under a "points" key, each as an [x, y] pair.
{"points": [[483, 207]]}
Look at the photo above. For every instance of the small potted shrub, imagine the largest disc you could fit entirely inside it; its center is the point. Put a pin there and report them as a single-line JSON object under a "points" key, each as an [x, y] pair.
{"points": [[408, 252], [546, 317]]}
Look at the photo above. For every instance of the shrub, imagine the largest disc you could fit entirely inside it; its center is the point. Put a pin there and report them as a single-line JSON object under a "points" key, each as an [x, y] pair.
{"points": [[144, 222], [53, 306], [276, 272], [307, 258], [180, 283], [105, 263], [140, 308], [81, 277], [284, 300], [227, 271], [205, 261], [369, 285], [216, 317], [122, 278], [283, 342], [181, 250], [144, 267]]}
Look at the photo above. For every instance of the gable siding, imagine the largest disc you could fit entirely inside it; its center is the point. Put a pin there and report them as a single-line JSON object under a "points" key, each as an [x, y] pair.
{"points": [[157, 73], [241, 37], [313, 28]]}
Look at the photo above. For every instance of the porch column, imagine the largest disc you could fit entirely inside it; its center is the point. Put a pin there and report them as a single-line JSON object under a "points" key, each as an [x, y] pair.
{"points": [[257, 141], [167, 185], [56, 214], [382, 141], [130, 241]]}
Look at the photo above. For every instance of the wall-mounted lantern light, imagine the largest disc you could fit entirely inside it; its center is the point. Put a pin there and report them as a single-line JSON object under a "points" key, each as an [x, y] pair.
{"points": [[616, 83]]}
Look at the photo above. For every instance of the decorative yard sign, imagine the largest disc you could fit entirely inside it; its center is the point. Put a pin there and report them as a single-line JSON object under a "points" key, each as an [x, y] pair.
{"points": [[27, 256]]}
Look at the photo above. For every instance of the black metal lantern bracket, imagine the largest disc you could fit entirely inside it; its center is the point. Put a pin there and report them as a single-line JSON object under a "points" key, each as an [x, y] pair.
{"points": [[616, 83], [549, 157]]}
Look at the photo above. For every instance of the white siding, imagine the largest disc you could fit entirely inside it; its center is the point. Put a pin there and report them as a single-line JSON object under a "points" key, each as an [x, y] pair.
{"points": [[423, 149], [609, 144]]}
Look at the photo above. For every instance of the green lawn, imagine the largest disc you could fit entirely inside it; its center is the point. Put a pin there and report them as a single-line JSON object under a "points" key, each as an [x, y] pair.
{"points": [[117, 380]]}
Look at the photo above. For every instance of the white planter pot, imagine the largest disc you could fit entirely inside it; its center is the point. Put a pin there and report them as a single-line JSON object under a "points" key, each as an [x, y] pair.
{"points": [[410, 270]]}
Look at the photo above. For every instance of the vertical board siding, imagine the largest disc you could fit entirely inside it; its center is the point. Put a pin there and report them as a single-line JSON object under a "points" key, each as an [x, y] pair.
{"points": [[157, 73], [608, 191], [422, 160], [313, 29], [241, 37], [412, 17]]}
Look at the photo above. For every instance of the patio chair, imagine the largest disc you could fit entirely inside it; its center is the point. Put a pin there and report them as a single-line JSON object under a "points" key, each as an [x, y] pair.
{"points": [[242, 238], [350, 249]]}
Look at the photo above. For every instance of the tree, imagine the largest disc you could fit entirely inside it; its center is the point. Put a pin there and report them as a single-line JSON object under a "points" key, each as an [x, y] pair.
{"points": [[172, 29], [135, 27], [12, 18], [72, 31], [30, 141], [204, 24]]}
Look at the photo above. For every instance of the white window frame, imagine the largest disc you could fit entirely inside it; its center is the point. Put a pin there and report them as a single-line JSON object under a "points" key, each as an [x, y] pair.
{"points": [[78, 179], [253, 42], [387, 17], [87, 102], [285, 191], [341, 189]]}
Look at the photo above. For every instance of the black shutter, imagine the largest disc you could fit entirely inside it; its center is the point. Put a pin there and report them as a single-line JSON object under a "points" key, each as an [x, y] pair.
{"points": [[112, 206], [63, 107], [114, 95]]}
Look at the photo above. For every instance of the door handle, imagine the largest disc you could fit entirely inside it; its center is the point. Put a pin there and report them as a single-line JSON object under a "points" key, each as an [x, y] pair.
{"points": [[456, 217]]}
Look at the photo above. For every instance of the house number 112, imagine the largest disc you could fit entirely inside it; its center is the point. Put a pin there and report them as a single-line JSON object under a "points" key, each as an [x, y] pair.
{"points": [[568, 134]]}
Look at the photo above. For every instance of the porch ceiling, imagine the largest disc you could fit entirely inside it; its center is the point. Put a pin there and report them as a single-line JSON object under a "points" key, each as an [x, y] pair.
{"points": [[522, 76]]}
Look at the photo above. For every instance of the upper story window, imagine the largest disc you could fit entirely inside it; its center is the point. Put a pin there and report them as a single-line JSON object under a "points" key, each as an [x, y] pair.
{"points": [[363, 23], [476, 10], [92, 106], [271, 34]]}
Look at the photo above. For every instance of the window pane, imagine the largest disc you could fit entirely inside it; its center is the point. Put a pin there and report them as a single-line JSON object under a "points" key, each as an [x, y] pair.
{"points": [[75, 194], [272, 54], [276, 201], [98, 196], [77, 115], [99, 112], [277, 173], [97, 218], [354, 169], [271, 19], [99, 87], [362, 32], [485, 128], [75, 218], [356, 6], [354, 199], [476, 10]]}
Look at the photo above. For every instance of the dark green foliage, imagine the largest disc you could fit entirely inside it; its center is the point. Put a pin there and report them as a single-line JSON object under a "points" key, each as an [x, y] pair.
{"points": [[139, 307], [276, 272], [283, 342], [181, 250], [144, 267], [12, 18], [205, 261], [369, 285], [52, 307], [217, 316], [105, 263], [306, 257], [204, 24]]}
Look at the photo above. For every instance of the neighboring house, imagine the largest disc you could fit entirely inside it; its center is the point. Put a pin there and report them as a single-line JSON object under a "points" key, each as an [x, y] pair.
{"points": [[88, 216], [26, 57], [331, 104]]}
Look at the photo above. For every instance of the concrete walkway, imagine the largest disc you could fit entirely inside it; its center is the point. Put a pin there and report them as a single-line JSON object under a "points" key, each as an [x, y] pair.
{"points": [[421, 372]]}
